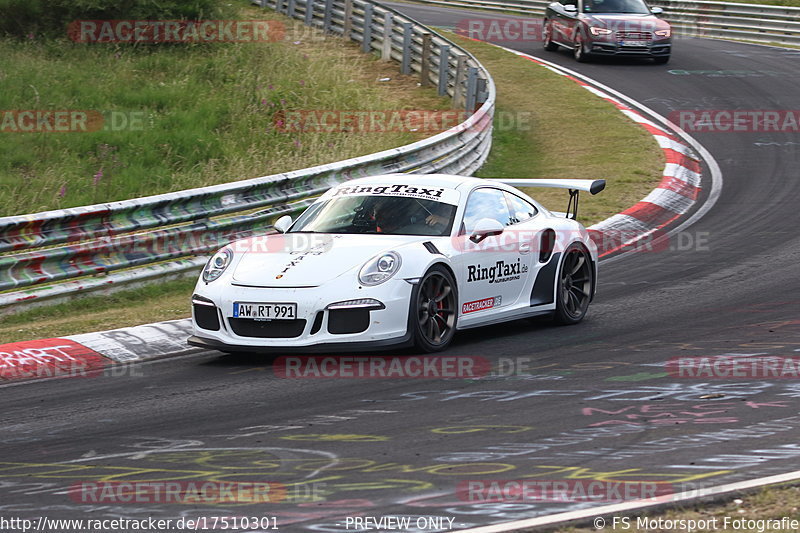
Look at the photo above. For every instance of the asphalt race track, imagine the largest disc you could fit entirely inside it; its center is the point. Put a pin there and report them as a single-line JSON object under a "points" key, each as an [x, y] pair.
{"points": [[593, 402]]}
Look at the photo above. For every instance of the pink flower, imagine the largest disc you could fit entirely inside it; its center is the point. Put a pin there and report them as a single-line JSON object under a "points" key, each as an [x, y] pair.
{"points": [[302, 83], [98, 176], [283, 102], [263, 101], [62, 192], [270, 87], [297, 143]]}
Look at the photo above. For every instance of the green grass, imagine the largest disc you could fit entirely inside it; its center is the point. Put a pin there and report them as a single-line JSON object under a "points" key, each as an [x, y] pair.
{"points": [[153, 303], [569, 134], [206, 112]]}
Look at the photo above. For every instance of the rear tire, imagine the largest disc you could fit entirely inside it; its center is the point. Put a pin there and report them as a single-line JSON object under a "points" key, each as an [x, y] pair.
{"points": [[433, 312], [574, 288]]}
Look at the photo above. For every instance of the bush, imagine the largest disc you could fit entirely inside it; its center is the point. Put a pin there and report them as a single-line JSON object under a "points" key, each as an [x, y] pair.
{"points": [[22, 18]]}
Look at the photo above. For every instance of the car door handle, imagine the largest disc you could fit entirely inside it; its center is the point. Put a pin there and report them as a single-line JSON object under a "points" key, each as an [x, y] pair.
{"points": [[524, 248]]}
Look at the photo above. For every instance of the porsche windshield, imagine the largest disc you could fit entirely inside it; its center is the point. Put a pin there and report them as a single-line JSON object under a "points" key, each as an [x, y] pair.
{"points": [[634, 7], [391, 215]]}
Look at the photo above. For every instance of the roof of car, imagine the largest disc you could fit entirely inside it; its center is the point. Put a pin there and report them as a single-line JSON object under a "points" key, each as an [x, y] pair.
{"points": [[430, 180]]}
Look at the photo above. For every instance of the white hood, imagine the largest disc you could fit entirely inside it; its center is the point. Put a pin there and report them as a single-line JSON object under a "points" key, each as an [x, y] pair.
{"points": [[308, 260]]}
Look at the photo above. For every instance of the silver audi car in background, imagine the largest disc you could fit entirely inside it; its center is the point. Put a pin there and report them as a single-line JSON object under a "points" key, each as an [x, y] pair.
{"points": [[607, 28]]}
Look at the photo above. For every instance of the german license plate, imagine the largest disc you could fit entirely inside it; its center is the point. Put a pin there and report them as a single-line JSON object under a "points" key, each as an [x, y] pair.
{"points": [[265, 311], [634, 43]]}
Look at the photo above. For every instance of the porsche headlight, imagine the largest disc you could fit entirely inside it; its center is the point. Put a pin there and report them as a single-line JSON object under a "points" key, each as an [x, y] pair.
{"points": [[217, 264], [379, 269]]}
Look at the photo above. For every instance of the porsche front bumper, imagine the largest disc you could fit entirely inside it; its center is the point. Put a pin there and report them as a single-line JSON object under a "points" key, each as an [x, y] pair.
{"points": [[328, 317]]}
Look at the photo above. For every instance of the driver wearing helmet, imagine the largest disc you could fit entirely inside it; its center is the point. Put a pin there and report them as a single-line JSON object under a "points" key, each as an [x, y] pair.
{"points": [[388, 215]]}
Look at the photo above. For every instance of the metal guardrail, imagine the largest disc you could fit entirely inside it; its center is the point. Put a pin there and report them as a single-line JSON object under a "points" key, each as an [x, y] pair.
{"points": [[133, 241], [722, 20]]}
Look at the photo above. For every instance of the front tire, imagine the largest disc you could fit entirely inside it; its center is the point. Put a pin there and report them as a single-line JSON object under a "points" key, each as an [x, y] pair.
{"points": [[574, 289], [433, 313], [579, 51]]}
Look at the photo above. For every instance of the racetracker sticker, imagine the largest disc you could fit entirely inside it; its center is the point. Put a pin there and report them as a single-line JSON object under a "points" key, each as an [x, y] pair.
{"points": [[438, 194], [480, 305]]}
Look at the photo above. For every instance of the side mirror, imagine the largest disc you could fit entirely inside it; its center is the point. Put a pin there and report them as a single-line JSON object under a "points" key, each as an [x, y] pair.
{"points": [[570, 8], [484, 228], [283, 224], [656, 10]]}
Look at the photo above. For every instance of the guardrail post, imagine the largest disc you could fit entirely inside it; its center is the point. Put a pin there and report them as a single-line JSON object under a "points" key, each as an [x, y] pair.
{"points": [[347, 25], [388, 23], [481, 94], [458, 82], [425, 62], [405, 66], [309, 17], [472, 88], [290, 9], [327, 15], [366, 39], [444, 68]]}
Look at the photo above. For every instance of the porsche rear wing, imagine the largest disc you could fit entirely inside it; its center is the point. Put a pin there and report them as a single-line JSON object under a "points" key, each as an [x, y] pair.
{"points": [[574, 186]]}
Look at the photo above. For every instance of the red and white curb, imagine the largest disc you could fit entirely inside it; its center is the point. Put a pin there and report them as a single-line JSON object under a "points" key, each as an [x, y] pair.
{"points": [[90, 354], [641, 226]]}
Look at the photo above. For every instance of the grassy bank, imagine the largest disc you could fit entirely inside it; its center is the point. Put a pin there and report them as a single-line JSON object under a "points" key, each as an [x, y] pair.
{"points": [[184, 116], [568, 133], [153, 303]]}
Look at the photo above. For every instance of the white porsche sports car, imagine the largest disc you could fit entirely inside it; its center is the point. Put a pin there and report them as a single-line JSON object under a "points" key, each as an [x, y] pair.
{"points": [[399, 259]]}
